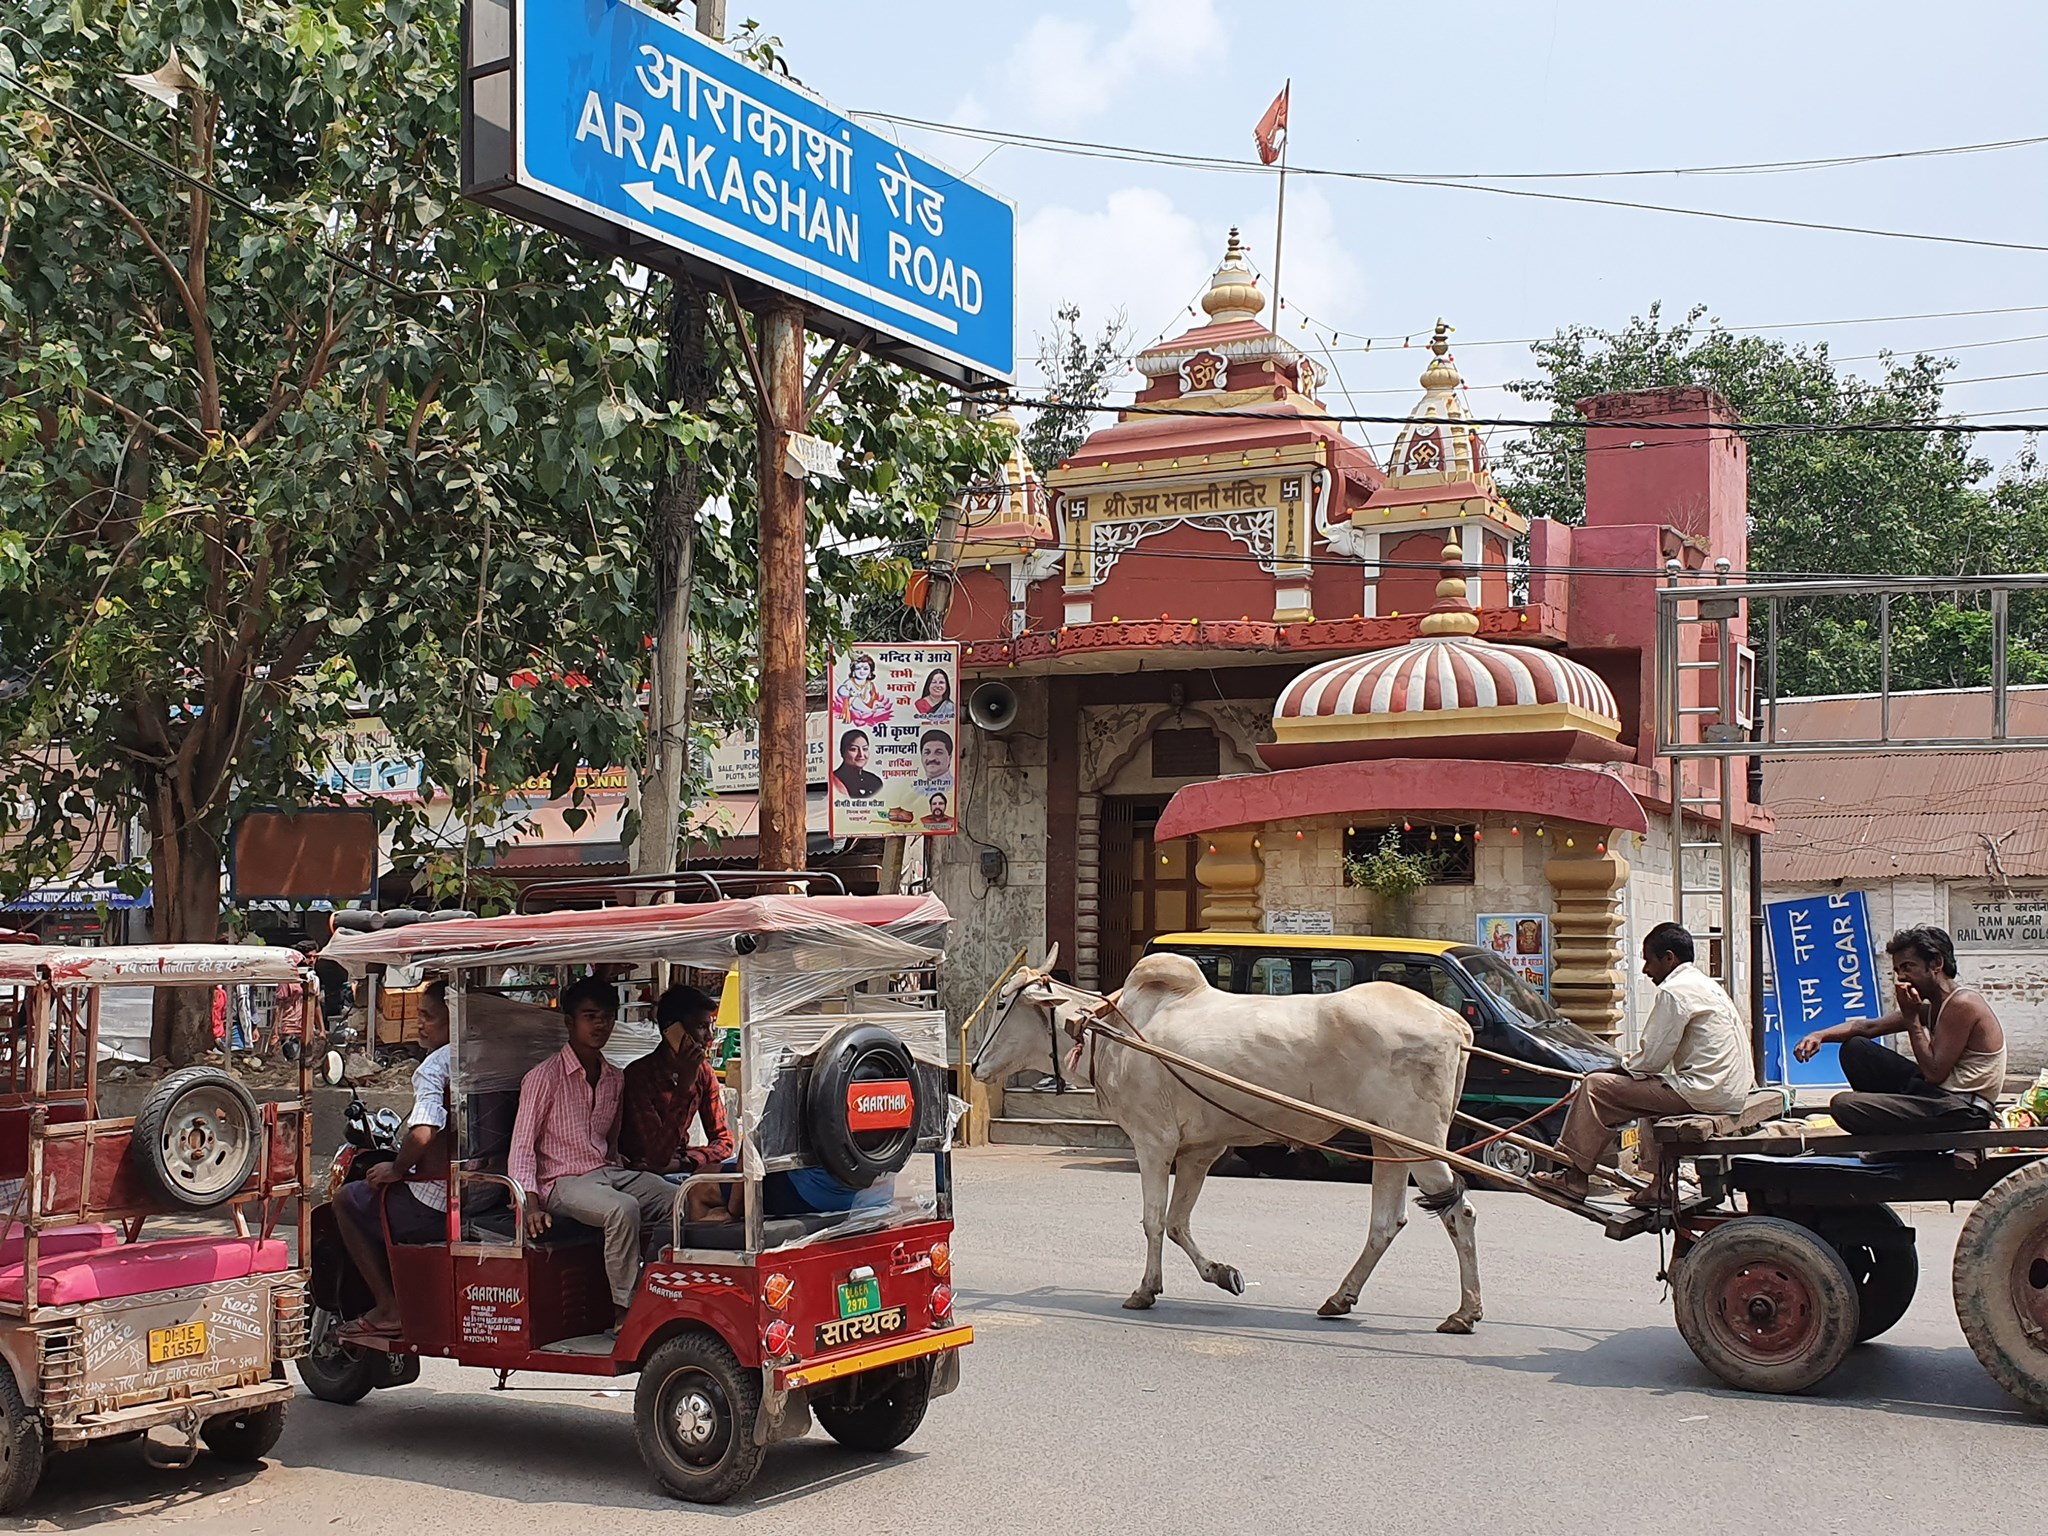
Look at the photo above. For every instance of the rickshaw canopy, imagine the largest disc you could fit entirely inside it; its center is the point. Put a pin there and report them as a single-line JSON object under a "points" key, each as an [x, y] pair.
{"points": [[148, 965], [875, 932]]}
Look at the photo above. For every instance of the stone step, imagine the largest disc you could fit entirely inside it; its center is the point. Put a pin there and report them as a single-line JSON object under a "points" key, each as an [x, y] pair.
{"points": [[1043, 1104], [1058, 1133]]}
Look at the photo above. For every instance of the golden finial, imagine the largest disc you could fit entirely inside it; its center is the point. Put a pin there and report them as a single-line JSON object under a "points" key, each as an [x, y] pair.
{"points": [[1441, 373], [1233, 290], [1451, 614]]}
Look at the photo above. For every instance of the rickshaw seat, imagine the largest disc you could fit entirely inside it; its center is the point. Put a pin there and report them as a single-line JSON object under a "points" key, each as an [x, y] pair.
{"points": [[58, 1242], [135, 1269], [496, 1226]]}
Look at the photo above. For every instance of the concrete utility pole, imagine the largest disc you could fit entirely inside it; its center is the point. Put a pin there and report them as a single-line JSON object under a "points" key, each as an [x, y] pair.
{"points": [[688, 379], [783, 567]]}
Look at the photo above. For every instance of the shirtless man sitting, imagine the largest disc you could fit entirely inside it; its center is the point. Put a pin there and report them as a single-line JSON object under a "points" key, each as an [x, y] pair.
{"points": [[1952, 1080]]}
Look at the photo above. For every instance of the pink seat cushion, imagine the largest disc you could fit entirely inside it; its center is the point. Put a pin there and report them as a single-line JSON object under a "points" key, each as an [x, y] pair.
{"points": [[58, 1241], [136, 1269]]}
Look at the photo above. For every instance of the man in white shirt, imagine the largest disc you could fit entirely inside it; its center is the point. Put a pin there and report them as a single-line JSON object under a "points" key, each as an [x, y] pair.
{"points": [[416, 1211], [1694, 1059]]}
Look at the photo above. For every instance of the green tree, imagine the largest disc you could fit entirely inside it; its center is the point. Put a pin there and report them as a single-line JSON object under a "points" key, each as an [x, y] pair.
{"points": [[1824, 503], [289, 433], [1076, 368]]}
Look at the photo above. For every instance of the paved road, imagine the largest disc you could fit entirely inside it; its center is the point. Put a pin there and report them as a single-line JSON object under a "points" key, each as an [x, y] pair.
{"points": [[1574, 1407]]}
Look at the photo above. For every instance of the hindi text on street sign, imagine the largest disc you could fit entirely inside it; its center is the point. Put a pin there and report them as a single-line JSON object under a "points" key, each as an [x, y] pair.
{"points": [[630, 119]]}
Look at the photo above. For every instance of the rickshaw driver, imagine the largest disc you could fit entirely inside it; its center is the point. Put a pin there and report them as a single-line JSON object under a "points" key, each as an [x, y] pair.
{"points": [[418, 1209], [564, 1151]]}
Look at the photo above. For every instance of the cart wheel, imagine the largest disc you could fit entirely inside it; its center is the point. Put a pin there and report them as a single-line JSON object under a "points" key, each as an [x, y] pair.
{"points": [[198, 1136], [244, 1437], [693, 1414], [21, 1446], [335, 1372], [1878, 1248], [1766, 1305], [2001, 1284], [877, 1418]]}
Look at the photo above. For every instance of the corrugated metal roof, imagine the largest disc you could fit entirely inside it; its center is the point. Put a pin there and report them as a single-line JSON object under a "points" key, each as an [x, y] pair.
{"points": [[1942, 815]]}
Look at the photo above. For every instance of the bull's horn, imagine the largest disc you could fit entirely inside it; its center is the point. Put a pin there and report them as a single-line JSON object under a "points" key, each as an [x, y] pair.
{"points": [[1052, 957]]}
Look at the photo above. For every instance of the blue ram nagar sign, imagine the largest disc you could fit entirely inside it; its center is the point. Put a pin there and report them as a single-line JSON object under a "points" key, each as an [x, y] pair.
{"points": [[1823, 973], [630, 116]]}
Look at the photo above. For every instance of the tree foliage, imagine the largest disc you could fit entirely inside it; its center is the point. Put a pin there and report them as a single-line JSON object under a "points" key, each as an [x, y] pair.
{"points": [[1076, 367], [290, 434], [1832, 503]]}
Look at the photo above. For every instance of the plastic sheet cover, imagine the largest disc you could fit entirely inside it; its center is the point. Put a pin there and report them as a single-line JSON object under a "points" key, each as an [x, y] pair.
{"points": [[902, 1209]]}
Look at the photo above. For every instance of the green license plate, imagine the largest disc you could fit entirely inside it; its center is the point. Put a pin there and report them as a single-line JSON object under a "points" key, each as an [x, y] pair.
{"points": [[860, 1298]]}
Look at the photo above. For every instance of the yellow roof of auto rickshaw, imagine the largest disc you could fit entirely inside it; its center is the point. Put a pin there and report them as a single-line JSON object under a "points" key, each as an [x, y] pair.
{"points": [[1386, 943]]}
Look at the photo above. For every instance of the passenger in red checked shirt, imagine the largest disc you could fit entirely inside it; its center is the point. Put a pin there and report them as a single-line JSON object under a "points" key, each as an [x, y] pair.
{"points": [[564, 1151], [671, 1086]]}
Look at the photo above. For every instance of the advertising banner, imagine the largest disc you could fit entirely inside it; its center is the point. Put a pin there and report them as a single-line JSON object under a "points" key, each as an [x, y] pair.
{"points": [[1823, 973], [894, 740], [1521, 941]]}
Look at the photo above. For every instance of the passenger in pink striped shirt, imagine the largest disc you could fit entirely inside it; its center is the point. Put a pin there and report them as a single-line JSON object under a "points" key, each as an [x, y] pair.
{"points": [[565, 1142]]}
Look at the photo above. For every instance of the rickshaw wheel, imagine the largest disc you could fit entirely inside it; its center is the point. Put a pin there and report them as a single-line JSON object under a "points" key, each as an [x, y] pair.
{"points": [[21, 1446], [198, 1137], [879, 1420], [2001, 1284], [340, 1373], [244, 1437], [693, 1414], [1766, 1305]]}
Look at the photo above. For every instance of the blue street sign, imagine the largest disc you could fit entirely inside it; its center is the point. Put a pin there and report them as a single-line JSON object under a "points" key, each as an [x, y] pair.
{"points": [[631, 116], [1823, 973]]}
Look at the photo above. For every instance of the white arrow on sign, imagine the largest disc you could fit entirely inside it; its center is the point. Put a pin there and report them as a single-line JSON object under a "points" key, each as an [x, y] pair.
{"points": [[648, 196]]}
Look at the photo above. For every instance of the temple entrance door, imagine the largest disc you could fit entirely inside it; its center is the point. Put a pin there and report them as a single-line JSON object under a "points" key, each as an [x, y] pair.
{"points": [[1148, 887]]}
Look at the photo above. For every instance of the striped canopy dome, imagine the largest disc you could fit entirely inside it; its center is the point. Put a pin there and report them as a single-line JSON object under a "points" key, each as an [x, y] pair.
{"points": [[1441, 675]]}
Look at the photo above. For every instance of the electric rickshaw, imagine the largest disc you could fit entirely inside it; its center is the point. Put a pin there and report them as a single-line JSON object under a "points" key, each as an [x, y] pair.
{"points": [[106, 1333], [742, 1332]]}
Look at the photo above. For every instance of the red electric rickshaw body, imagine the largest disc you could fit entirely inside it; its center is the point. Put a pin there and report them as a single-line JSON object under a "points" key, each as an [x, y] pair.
{"points": [[741, 1333]]}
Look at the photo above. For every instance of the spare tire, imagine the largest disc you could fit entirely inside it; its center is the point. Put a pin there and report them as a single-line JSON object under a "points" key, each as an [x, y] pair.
{"points": [[198, 1137], [862, 1105]]}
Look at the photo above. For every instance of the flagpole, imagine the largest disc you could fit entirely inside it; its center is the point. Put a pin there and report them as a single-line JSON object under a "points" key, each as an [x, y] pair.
{"points": [[1280, 213]]}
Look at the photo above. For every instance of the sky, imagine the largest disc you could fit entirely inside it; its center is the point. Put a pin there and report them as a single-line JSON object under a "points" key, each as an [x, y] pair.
{"points": [[1488, 87]]}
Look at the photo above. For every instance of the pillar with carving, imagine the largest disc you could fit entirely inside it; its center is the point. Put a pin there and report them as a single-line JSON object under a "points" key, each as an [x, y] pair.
{"points": [[1230, 872], [1588, 971]]}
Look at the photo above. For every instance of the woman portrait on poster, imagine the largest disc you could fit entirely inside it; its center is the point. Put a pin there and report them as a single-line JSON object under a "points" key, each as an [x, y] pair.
{"points": [[936, 701], [858, 700]]}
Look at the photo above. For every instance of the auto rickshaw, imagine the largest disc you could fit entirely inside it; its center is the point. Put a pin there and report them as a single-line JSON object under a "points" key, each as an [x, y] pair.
{"points": [[741, 1333], [106, 1333]]}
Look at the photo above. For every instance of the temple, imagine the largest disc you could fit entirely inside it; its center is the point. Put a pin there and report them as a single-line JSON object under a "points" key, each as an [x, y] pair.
{"points": [[1247, 657]]}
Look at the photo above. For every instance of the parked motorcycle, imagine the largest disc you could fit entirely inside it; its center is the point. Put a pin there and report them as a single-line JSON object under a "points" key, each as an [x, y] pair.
{"points": [[335, 1371]]}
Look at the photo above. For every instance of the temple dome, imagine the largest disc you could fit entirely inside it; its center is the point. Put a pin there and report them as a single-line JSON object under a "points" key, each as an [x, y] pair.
{"points": [[1438, 445], [1446, 693], [1233, 289]]}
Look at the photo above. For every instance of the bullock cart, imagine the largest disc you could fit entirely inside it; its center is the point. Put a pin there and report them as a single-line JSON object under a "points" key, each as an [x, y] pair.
{"points": [[1792, 1251]]}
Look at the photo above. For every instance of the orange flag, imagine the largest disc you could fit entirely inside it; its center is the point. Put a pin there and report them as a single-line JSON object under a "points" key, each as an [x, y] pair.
{"points": [[1271, 133]]}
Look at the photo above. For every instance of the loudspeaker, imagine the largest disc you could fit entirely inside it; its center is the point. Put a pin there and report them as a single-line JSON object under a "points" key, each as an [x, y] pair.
{"points": [[993, 707]]}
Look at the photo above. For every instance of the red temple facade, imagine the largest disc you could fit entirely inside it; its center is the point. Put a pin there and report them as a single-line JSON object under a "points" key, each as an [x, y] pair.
{"points": [[1240, 645]]}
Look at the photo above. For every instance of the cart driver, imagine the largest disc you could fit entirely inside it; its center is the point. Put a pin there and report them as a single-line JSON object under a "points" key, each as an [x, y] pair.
{"points": [[1694, 1059], [1952, 1079], [565, 1140]]}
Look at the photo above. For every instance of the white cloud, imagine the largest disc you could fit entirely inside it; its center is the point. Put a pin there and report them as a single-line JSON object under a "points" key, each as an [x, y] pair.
{"points": [[1138, 253], [1066, 70]]}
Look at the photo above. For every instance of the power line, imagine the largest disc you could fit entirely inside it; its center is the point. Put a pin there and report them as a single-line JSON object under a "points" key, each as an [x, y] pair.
{"points": [[1220, 162], [1097, 150], [1747, 428]]}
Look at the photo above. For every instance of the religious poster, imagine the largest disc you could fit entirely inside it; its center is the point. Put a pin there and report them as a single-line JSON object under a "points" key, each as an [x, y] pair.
{"points": [[894, 740], [1521, 942]]}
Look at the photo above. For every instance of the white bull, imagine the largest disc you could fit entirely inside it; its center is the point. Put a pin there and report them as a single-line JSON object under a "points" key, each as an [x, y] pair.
{"points": [[1379, 1052]]}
